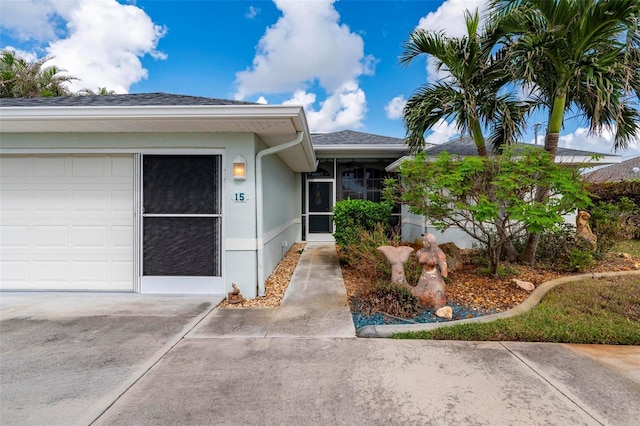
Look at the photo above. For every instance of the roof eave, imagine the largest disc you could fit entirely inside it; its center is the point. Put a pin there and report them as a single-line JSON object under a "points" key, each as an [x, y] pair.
{"points": [[274, 124]]}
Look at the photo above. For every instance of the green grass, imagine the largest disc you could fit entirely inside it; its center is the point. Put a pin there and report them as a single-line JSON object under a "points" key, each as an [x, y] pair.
{"points": [[600, 310], [629, 246]]}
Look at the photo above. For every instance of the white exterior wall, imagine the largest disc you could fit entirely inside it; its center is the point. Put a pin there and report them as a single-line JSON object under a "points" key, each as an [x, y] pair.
{"points": [[239, 218], [281, 211], [412, 225]]}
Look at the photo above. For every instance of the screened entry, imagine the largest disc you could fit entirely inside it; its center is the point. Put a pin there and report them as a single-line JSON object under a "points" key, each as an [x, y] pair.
{"points": [[181, 224], [336, 180]]}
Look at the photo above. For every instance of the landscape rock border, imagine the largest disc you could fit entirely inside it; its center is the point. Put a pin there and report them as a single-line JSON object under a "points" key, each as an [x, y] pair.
{"points": [[534, 298]]}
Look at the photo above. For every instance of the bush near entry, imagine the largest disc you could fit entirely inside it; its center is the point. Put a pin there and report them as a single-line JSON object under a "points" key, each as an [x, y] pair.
{"points": [[351, 217]]}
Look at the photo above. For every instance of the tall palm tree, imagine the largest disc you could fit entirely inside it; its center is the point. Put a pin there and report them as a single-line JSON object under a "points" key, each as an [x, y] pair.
{"points": [[580, 55], [20, 78], [469, 95]]}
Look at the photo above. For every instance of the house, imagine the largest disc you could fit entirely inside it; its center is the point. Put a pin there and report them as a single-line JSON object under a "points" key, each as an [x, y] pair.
{"points": [[150, 193], [626, 170], [171, 194]]}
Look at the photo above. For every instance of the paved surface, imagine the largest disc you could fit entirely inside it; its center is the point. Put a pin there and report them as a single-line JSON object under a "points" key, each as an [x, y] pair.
{"points": [[68, 359]]}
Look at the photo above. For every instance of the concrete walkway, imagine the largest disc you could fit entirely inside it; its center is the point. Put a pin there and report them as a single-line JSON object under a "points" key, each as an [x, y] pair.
{"points": [[314, 305], [68, 359]]}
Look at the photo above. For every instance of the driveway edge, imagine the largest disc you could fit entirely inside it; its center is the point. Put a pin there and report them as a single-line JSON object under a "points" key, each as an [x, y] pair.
{"points": [[534, 298]]}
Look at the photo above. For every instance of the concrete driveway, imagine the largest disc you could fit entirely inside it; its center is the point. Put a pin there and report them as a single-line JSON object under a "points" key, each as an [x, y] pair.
{"points": [[130, 359]]}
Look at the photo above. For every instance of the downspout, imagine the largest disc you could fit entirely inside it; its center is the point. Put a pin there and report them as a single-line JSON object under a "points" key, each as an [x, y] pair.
{"points": [[259, 212]]}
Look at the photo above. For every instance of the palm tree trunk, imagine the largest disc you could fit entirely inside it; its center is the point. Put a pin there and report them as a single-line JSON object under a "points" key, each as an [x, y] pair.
{"points": [[478, 138]]}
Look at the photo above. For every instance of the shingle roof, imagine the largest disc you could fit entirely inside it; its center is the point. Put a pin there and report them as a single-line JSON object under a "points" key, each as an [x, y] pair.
{"points": [[466, 147], [349, 137], [629, 169], [133, 99]]}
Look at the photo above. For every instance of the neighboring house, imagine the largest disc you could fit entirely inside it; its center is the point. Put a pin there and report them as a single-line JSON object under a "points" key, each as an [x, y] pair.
{"points": [[414, 225], [626, 170], [160, 193]]}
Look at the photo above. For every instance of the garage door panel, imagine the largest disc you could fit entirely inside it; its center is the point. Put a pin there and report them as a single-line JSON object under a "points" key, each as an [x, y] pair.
{"points": [[67, 223]]}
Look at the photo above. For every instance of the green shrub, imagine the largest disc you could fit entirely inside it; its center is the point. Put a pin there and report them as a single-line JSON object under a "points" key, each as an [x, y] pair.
{"points": [[351, 217], [561, 249], [625, 195], [610, 222]]}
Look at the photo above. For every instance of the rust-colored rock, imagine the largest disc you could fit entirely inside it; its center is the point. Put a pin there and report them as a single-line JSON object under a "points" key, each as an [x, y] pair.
{"points": [[430, 290], [455, 256]]}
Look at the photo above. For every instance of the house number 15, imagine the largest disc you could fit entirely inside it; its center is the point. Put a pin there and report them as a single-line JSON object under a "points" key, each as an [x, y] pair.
{"points": [[239, 197]]}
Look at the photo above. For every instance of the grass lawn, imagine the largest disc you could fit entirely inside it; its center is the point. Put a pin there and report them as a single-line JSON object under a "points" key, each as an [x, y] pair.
{"points": [[631, 247], [595, 310]]}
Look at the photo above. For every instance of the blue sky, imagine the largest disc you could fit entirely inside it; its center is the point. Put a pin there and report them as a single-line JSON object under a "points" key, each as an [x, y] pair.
{"points": [[339, 59]]}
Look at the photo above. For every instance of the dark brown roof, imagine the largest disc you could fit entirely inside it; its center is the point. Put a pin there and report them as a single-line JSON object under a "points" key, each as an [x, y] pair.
{"points": [[133, 99], [629, 169], [350, 137], [465, 147]]}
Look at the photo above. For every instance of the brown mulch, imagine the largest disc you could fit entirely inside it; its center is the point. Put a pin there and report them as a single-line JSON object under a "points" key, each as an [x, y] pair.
{"points": [[276, 284], [467, 286]]}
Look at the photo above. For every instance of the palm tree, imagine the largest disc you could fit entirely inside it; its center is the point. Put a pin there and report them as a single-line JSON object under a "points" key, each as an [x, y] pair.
{"points": [[580, 55], [469, 95], [101, 91], [23, 79]]}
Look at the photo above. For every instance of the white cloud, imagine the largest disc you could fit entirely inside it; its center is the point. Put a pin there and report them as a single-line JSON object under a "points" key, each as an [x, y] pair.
{"points": [[395, 107], [449, 17], [581, 139], [308, 45], [442, 132], [262, 100], [252, 12], [345, 108], [29, 19], [100, 42]]}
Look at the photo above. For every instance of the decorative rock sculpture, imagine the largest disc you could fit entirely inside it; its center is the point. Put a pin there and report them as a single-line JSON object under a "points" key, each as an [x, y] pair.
{"points": [[430, 290], [584, 230], [234, 296], [397, 256]]}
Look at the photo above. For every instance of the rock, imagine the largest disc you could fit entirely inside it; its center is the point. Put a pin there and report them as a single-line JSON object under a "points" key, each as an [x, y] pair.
{"points": [[454, 255], [525, 285], [624, 255], [445, 312]]}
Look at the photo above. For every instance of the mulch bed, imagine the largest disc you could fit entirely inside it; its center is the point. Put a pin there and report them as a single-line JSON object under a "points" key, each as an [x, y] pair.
{"points": [[467, 286], [276, 284]]}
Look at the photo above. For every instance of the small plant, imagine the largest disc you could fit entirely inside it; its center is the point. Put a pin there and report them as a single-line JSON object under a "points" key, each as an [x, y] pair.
{"points": [[389, 299], [503, 271]]}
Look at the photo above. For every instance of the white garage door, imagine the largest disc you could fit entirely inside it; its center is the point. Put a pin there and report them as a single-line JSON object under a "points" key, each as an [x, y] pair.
{"points": [[66, 222]]}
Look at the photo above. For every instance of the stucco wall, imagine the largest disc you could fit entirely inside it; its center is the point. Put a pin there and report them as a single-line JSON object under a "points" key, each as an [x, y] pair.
{"points": [[281, 210]]}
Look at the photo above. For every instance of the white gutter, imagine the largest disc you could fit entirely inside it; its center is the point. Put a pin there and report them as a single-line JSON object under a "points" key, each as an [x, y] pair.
{"points": [[259, 212]]}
